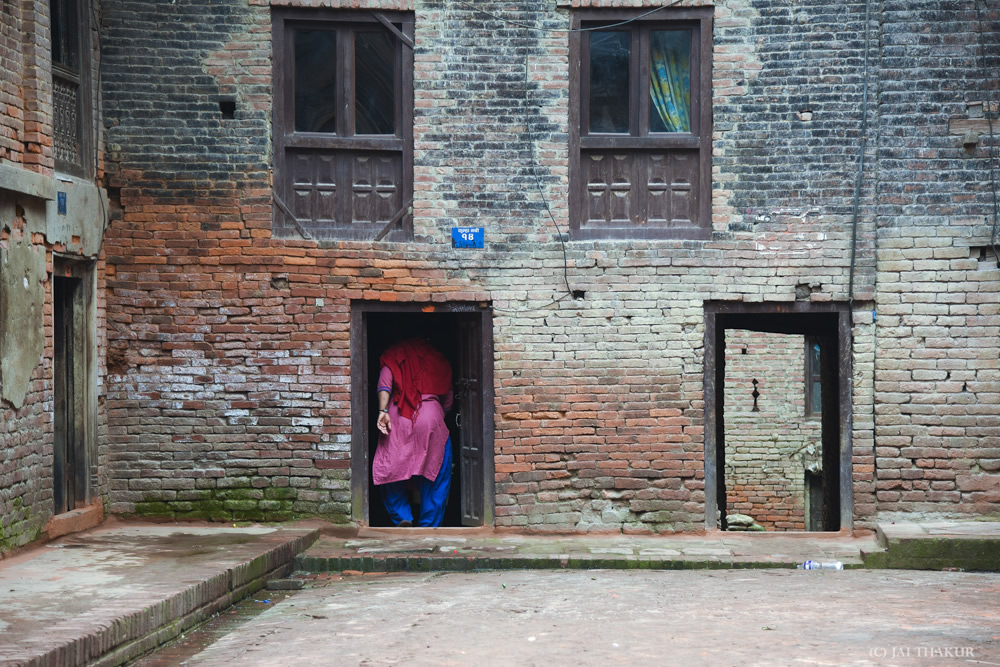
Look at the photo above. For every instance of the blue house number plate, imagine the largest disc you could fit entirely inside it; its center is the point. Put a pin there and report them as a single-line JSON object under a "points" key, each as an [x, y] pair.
{"points": [[467, 237]]}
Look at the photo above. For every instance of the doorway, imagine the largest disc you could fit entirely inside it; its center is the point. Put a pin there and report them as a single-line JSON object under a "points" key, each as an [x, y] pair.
{"points": [[463, 333], [74, 384], [823, 337]]}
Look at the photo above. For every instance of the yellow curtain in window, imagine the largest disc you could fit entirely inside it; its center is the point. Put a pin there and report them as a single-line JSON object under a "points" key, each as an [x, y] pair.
{"points": [[670, 80]]}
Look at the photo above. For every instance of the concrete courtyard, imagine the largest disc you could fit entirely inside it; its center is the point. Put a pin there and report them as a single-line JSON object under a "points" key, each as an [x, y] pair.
{"points": [[720, 617]]}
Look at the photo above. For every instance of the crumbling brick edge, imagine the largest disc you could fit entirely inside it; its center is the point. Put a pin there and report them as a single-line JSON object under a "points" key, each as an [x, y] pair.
{"points": [[139, 632]]}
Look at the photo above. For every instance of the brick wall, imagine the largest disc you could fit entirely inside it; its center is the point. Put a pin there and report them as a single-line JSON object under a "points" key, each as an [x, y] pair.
{"points": [[26, 431], [229, 392], [229, 385], [25, 92], [768, 450], [937, 374]]}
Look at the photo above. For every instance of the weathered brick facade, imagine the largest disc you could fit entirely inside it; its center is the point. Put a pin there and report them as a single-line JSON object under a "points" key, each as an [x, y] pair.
{"points": [[230, 350], [34, 238], [938, 413], [231, 361], [938, 374]]}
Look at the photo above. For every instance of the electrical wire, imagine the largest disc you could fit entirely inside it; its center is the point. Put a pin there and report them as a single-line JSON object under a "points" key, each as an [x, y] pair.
{"points": [[989, 120], [861, 163], [854, 221], [98, 115], [534, 170], [567, 30], [526, 106], [527, 120]]}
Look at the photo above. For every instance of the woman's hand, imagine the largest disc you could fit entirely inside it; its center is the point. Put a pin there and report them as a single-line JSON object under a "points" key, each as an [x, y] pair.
{"points": [[383, 423]]}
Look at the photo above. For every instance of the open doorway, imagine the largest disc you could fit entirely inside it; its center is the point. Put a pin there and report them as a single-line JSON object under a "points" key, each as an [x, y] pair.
{"points": [[773, 434], [74, 384], [463, 333], [778, 416]]}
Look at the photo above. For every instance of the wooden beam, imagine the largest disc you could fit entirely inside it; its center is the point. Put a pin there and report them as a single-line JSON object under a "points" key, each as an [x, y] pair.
{"points": [[406, 209], [393, 29]]}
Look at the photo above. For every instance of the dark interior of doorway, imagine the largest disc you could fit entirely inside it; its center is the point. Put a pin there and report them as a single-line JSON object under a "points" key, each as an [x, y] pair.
{"points": [[442, 331], [68, 461], [823, 327]]}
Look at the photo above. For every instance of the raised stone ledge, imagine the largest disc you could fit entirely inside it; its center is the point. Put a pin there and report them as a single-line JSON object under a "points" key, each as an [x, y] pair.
{"points": [[16, 179]]}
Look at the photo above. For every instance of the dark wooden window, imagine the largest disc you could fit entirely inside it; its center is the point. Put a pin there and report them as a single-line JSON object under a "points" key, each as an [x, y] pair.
{"points": [[814, 384], [70, 68], [343, 124], [641, 124]]}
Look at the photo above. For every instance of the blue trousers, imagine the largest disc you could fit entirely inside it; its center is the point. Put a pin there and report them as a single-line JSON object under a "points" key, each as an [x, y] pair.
{"points": [[433, 495]]}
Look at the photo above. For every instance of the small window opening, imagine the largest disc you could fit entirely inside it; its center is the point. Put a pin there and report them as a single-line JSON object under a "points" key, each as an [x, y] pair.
{"points": [[228, 109], [813, 379]]}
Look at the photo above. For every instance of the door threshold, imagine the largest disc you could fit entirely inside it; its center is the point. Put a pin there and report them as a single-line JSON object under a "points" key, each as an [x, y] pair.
{"points": [[75, 521]]}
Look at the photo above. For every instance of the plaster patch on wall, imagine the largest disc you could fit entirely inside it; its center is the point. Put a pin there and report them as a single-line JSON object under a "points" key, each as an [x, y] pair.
{"points": [[81, 227], [22, 297]]}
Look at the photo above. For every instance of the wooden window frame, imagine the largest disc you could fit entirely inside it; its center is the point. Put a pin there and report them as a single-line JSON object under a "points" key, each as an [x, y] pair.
{"points": [[78, 25], [811, 372], [285, 137], [699, 21]]}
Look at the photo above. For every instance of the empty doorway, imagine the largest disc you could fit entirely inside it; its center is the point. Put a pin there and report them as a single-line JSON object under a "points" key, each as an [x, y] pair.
{"points": [[463, 333], [773, 431], [792, 474]]}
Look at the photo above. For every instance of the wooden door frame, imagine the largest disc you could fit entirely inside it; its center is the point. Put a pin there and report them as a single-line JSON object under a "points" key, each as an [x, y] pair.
{"points": [[83, 394], [790, 318], [362, 420]]}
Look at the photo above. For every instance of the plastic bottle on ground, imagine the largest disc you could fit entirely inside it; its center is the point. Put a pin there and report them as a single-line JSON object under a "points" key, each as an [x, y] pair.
{"points": [[816, 565]]}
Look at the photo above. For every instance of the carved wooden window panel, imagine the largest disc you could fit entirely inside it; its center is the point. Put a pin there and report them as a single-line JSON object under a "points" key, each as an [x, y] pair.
{"points": [[343, 125], [70, 68], [640, 125]]}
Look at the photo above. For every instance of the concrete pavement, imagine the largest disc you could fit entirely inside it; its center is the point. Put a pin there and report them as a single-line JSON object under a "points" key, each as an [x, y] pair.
{"points": [[619, 617], [112, 593]]}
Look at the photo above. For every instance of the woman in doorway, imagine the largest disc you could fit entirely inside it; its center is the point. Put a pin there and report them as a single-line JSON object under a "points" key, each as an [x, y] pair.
{"points": [[414, 446]]}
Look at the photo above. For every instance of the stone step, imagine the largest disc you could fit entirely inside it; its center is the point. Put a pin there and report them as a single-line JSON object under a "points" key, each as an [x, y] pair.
{"points": [[937, 545], [389, 563], [408, 551], [108, 596]]}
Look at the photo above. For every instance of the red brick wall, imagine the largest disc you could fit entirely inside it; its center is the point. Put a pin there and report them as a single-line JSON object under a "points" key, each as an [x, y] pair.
{"points": [[229, 393], [226, 390], [26, 432], [25, 90]]}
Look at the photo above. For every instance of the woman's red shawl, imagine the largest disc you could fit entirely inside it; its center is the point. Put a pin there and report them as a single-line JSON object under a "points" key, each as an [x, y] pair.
{"points": [[417, 368]]}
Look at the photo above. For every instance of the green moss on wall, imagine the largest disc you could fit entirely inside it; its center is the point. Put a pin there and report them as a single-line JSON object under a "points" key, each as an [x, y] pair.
{"points": [[237, 504]]}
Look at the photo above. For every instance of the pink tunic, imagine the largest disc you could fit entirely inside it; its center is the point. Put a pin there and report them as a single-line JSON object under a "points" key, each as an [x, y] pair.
{"points": [[413, 447]]}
